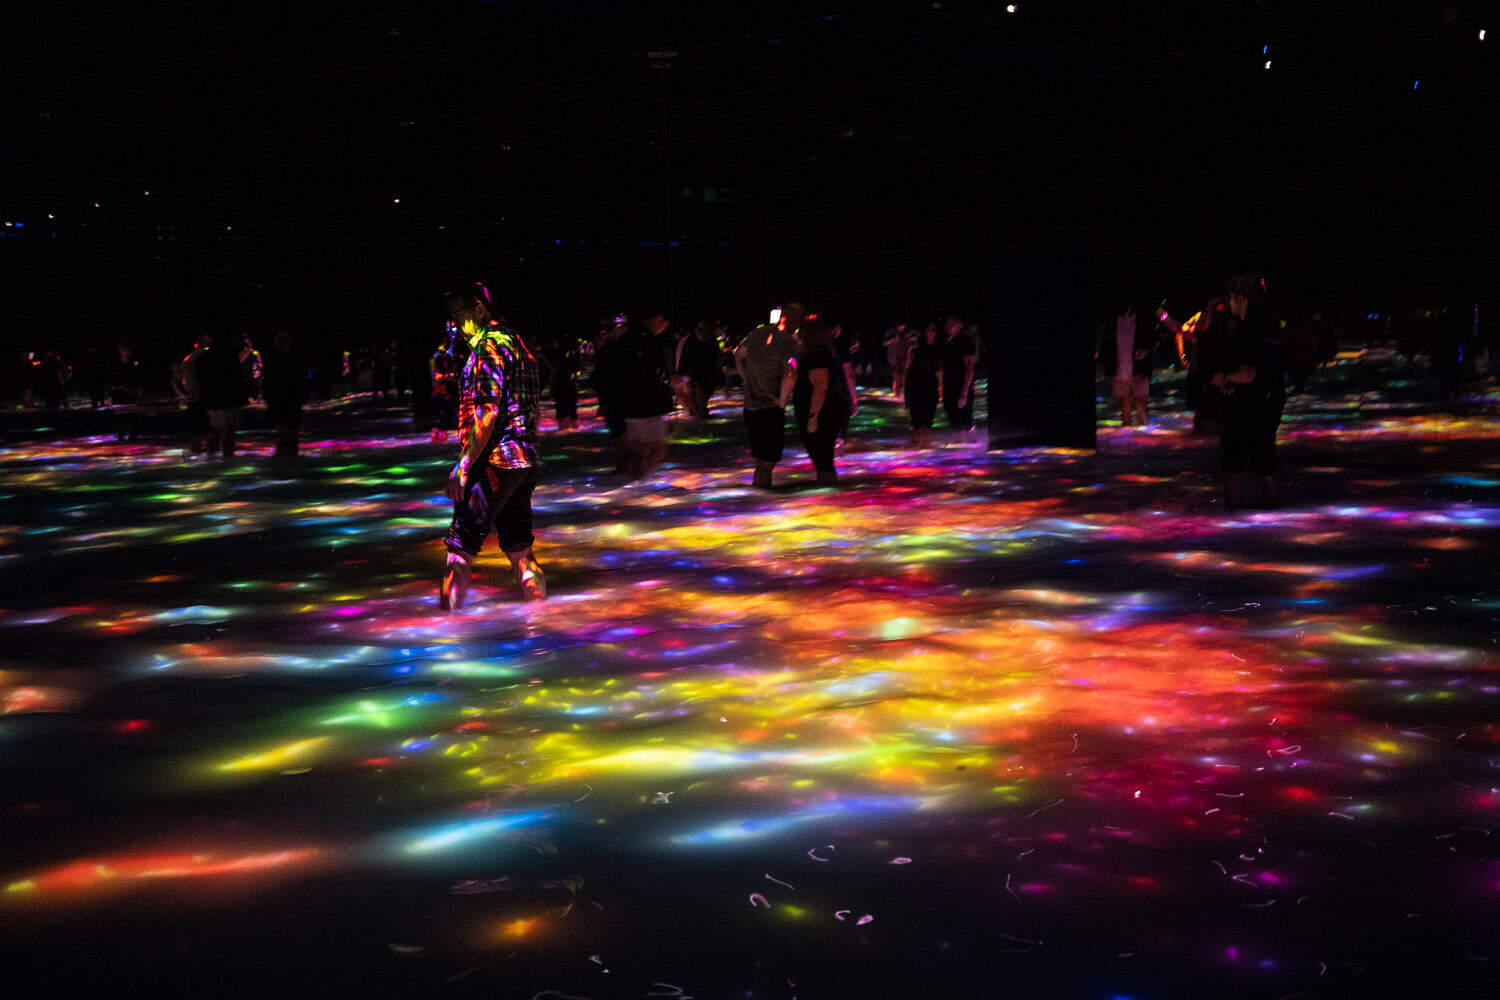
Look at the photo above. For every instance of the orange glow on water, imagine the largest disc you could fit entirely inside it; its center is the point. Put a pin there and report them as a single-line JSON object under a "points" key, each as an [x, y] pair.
{"points": [[122, 869]]}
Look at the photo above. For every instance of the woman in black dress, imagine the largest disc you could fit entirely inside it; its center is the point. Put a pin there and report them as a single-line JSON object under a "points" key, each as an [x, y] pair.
{"points": [[924, 364], [818, 398]]}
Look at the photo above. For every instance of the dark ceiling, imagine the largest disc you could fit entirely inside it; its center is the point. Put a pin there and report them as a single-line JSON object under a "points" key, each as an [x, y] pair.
{"points": [[1140, 124], [565, 99]]}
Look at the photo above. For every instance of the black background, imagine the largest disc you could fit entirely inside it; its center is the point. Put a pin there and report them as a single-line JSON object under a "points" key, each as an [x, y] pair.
{"points": [[863, 160]]}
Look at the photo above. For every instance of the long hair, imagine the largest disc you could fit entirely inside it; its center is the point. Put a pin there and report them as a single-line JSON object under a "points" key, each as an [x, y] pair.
{"points": [[814, 336], [1252, 287]]}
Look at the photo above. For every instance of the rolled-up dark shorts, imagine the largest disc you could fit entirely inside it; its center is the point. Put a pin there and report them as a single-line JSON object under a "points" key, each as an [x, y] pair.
{"points": [[767, 432], [498, 499]]}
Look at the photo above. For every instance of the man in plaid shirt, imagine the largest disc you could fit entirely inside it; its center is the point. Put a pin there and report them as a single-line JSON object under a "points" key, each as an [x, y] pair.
{"points": [[498, 408]]}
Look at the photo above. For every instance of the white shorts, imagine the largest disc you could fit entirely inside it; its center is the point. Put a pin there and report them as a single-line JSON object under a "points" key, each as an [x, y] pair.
{"points": [[645, 430], [224, 419]]}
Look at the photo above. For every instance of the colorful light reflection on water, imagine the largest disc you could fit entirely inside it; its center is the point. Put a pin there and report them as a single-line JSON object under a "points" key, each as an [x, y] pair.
{"points": [[1041, 717]]}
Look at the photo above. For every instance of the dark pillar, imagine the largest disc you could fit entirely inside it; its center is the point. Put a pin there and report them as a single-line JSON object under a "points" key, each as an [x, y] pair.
{"points": [[1039, 346]]}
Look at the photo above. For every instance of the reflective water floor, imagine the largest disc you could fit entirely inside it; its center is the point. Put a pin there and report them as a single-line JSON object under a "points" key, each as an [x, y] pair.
{"points": [[1034, 723]]}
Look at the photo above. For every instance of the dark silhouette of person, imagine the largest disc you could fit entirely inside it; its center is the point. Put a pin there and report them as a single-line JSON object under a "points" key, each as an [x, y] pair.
{"points": [[923, 367], [819, 399], [282, 389], [1251, 376]]}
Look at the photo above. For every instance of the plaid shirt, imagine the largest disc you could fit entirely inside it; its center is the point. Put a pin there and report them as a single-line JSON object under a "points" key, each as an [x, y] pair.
{"points": [[501, 370]]}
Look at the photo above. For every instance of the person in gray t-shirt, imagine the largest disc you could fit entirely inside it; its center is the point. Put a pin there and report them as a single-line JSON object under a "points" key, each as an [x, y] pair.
{"points": [[763, 360]]}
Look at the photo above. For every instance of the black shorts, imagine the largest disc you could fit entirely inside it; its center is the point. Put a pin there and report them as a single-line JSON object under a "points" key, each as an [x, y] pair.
{"points": [[198, 425], [767, 431], [498, 500]]}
